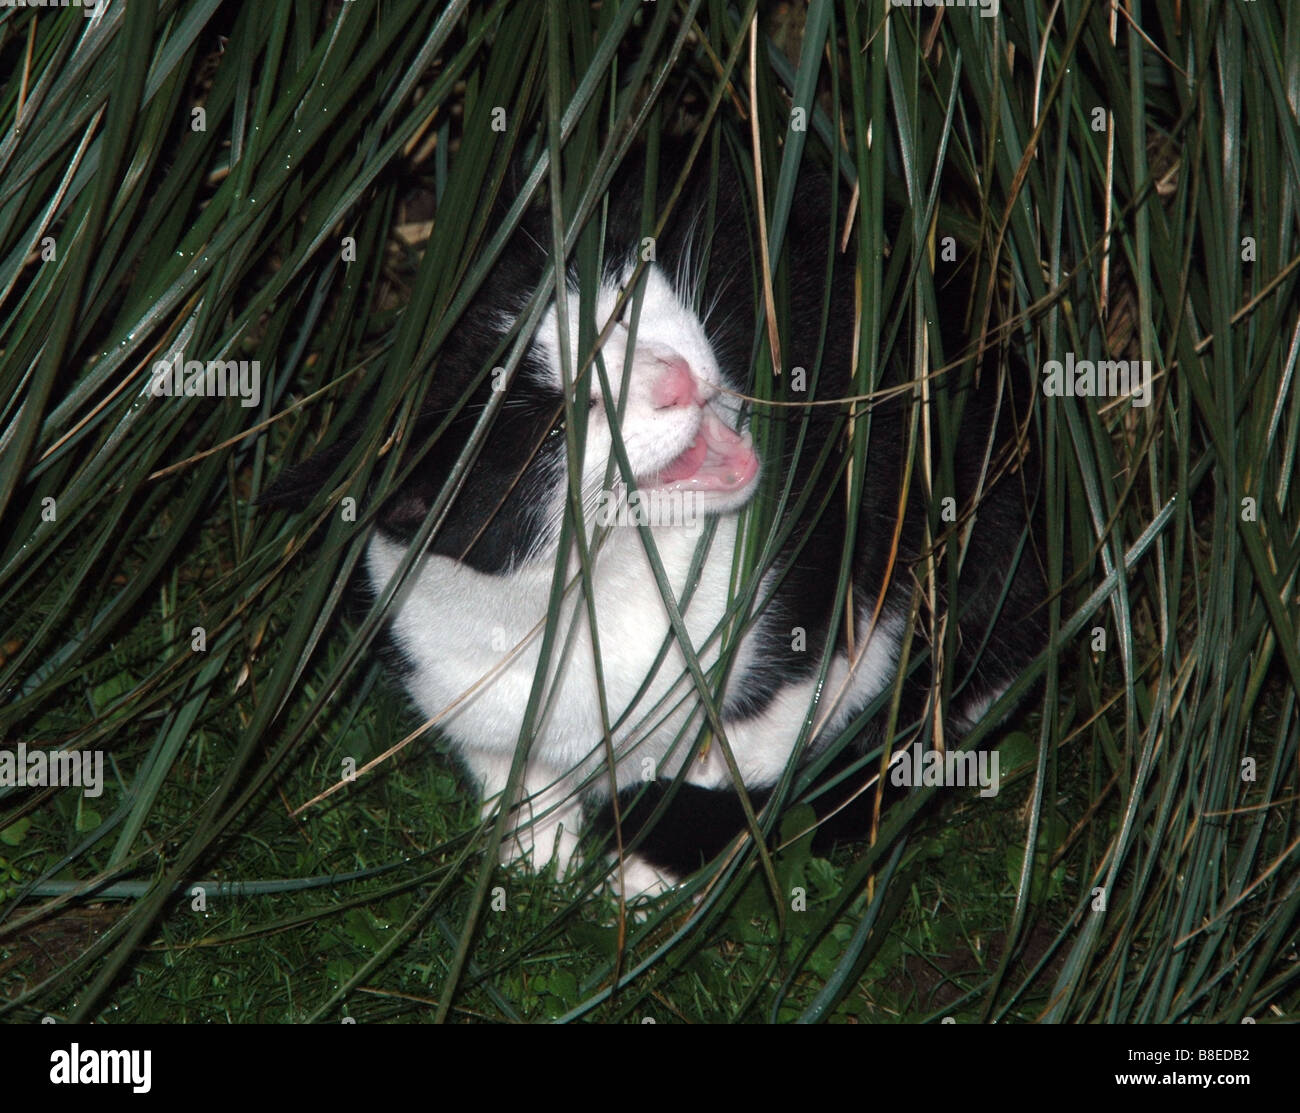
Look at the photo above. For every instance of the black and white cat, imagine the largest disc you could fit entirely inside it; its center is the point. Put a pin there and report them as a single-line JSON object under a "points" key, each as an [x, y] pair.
{"points": [[469, 621]]}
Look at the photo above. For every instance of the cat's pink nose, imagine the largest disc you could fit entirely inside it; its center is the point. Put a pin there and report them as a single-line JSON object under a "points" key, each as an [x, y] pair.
{"points": [[675, 386]]}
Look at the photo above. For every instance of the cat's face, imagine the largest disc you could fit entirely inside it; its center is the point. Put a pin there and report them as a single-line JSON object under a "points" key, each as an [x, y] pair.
{"points": [[674, 376], [680, 431]]}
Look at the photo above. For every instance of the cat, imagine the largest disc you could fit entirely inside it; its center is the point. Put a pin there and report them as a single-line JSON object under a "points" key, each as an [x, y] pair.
{"points": [[468, 624]]}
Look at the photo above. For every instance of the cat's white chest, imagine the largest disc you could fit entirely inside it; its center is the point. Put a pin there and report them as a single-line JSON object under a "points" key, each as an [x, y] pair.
{"points": [[474, 644], [475, 641]]}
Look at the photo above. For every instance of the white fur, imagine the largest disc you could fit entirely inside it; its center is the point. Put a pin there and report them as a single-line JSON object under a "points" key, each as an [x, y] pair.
{"points": [[475, 638]]}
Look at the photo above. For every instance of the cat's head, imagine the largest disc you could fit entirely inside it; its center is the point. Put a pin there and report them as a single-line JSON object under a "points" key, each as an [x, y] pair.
{"points": [[664, 387], [672, 370]]}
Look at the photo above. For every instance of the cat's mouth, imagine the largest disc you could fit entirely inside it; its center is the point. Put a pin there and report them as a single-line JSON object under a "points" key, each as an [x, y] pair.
{"points": [[718, 459]]}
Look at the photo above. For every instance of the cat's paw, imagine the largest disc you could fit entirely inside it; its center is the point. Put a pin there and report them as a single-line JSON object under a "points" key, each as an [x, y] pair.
{"points": [[638, 880], [536, 845]]}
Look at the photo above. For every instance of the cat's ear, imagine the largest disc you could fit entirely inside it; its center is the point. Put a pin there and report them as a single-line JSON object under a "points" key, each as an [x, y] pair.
{"points": [[298, 484]]}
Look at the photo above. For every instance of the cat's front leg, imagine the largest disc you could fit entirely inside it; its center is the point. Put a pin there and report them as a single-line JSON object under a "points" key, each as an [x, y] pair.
{"points": [[545, 825]]}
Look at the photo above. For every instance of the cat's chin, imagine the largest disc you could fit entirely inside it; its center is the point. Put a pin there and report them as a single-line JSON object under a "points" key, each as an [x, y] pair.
{"points": [[668, 508], [720, 502]]}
